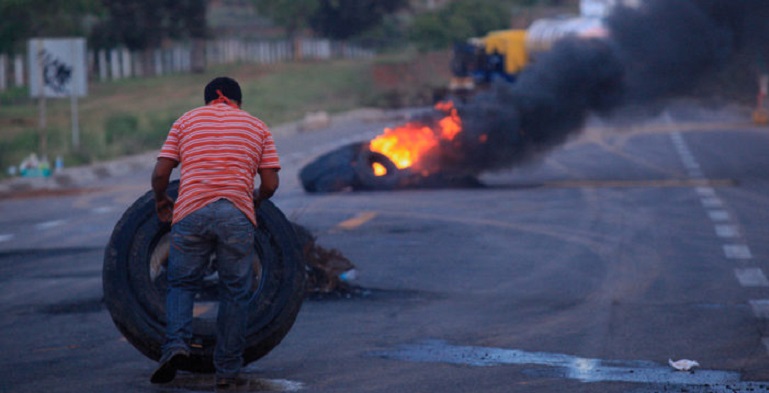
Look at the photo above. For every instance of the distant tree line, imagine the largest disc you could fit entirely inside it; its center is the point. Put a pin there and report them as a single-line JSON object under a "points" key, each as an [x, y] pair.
{"points": [[142, 24], [146, 24], [23, 19], [136, 24]]}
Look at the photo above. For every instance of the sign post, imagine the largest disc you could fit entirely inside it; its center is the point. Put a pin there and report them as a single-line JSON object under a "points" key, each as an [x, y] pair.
{"points": [[58, 70]]}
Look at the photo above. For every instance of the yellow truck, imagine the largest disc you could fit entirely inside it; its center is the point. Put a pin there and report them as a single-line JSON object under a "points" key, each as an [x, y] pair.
{"points": [[501, 55]]}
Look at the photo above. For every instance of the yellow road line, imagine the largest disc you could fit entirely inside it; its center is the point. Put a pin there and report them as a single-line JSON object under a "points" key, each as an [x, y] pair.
{"points": [[358, 220]]}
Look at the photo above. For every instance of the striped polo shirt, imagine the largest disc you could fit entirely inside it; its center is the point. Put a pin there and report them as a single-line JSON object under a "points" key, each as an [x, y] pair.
{"points": [[220, 148]]}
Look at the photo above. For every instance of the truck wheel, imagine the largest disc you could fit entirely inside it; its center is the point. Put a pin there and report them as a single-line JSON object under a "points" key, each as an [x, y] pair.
{"points": [[134, 283]]}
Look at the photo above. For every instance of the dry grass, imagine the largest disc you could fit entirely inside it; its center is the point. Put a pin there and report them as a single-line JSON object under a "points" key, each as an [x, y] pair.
{"points": [[133, 115]]}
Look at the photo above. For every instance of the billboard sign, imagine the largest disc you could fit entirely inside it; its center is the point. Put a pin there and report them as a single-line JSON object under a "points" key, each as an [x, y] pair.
{"points": [[57, 67]]}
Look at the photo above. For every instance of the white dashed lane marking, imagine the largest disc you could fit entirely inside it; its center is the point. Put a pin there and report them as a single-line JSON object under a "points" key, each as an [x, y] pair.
{"points": [[711, 202], [748, 277], [718, 215], [727, 231], [55, 223], [737, 251], [751, 277], [706, 191], [41, 226], [50, 224], [760, 308], [46, 225]]}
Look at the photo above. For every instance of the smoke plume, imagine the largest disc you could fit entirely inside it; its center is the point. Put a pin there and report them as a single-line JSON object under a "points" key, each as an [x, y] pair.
{"points": [[662, 49]]}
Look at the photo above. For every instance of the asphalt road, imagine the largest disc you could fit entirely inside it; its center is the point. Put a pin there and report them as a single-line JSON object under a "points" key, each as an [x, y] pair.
{"points": [[634, 243]]}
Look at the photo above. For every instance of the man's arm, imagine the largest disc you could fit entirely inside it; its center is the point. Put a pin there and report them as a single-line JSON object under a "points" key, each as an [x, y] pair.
{"points": [[161, 176], [269, 183]]}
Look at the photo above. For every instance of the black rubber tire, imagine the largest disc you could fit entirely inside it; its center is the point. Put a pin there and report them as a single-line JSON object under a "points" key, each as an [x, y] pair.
{"points": [[331, 172], [134, 286], [364, 171], [349, 168]]}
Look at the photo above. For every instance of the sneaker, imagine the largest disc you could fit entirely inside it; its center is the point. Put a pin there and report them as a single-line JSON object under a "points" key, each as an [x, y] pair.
{"points": [[169, 363], [230, 383]]}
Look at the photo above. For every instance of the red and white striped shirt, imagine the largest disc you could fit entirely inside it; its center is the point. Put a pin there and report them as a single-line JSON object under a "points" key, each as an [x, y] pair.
{"points": [[220, 148]]}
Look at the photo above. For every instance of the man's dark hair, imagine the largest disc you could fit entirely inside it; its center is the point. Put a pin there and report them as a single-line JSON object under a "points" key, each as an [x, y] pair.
{"points": [[228, 86]]}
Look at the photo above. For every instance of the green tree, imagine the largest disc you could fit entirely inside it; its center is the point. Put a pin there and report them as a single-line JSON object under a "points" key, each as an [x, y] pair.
{"points": [[144, 24], [24, 19], [293, 15], [458, 21], [186, 18], [137, 24], [342, 19]]}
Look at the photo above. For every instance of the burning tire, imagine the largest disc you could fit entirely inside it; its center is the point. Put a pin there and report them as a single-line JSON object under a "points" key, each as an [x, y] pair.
{"points": [[350, 167], [426, 150], [368, 179], [134, 284]]}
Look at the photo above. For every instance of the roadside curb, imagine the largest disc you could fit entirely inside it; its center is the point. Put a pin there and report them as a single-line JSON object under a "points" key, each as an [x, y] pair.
{"points": [[82, 176], [75, 177]]}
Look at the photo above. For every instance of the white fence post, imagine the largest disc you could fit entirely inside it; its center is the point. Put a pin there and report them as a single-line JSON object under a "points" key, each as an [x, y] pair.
{"points": [[114, 62], [185, 58], [137, 64], [118, 63], [3, 76], [18, 70], [125, 56], [168, 61], [157, 58], [101, 55], [177, 58]]}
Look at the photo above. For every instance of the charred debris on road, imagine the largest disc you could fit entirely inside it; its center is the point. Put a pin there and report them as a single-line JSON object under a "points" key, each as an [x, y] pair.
{"points": [[329, 274]]}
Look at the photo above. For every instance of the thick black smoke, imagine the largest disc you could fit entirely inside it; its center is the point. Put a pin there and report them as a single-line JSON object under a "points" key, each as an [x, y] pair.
{"points": [[662, 49]]}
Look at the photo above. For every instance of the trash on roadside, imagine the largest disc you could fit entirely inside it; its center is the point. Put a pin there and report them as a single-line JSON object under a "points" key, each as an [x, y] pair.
{"points": [[59, 164], [328, 271], [35, 167], [348, 276], [683, 364]]}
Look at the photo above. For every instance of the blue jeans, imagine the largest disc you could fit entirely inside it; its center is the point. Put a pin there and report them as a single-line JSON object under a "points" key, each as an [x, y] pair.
{"points": [[221, 228]]}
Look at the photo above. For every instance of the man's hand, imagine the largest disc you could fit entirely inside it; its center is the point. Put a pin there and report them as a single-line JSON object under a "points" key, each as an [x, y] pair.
{"points": [[164, 208], [164, 205], [269, 183]]}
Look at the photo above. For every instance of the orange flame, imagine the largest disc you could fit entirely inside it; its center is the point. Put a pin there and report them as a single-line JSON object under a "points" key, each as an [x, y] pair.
{"points": [[406, 144]]}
